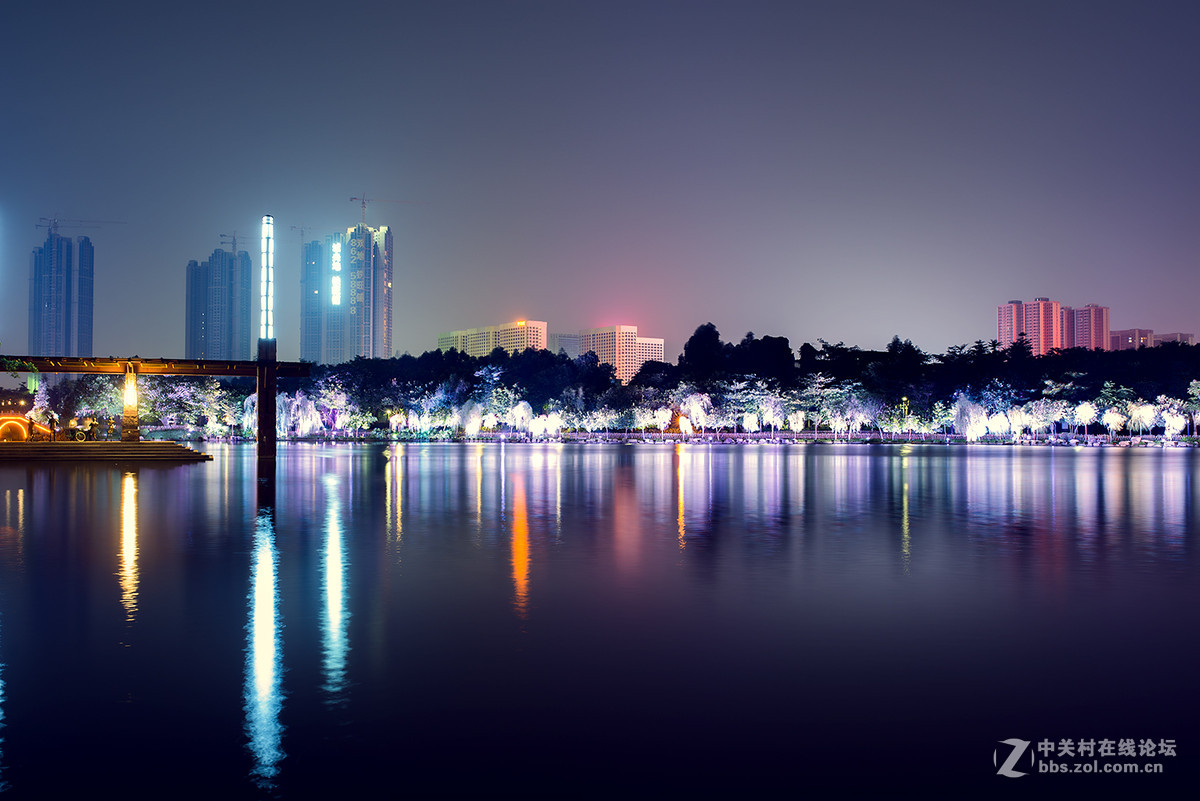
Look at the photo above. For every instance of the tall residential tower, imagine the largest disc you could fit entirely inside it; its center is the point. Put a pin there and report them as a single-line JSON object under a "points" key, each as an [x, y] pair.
{"points": [[60, 297], [217, 314]]}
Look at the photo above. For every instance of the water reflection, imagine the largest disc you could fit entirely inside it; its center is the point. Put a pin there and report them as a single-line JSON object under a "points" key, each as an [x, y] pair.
{"points": [[334, 614], [679, 517], [3, 783], [263, 692], [393, 470], [905, 534], [520, 548], [128, 574]]}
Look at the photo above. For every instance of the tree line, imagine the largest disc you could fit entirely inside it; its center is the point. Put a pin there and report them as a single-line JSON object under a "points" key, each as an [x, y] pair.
{"points": [[976, 390]]}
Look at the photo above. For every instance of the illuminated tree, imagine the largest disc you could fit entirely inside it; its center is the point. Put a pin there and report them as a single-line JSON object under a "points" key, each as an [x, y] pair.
{"points": [[1085, 414], [1113, 420], [970, 419], [1017, 421], [1142, 415], [998, 425], [1172, 414], [696, 406], [1193, 404]]}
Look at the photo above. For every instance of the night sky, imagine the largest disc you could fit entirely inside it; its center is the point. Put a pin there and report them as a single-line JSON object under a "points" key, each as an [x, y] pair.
{"points": [[837, 170]]}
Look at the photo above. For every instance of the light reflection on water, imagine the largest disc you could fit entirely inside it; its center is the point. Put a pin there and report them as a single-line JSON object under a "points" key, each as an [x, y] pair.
{"points": [[335, 619], [128, 571], [598, 603], [263, 694]]}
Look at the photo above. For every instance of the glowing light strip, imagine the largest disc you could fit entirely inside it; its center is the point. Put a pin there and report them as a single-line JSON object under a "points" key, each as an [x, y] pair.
{"points": [[336, 283], [266, 306]]}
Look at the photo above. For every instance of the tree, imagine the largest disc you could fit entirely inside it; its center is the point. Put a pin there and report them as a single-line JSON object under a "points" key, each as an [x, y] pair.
{"points": [[970, 419], [703, 354], [1142, 415], [1172, 413], [1193, 403], [1085, 414], [1113, 420]]}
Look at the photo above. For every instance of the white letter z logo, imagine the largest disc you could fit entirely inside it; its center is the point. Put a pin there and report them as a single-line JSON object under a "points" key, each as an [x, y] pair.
{"points": [[1018, 748]]}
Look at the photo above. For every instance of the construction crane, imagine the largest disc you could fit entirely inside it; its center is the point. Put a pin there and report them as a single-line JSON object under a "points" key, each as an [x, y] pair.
{"points": [[231, 240], [52, 223], [364, 200]]}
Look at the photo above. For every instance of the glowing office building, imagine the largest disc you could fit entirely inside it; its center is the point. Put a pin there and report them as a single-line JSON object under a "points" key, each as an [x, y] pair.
{"points": [[620, 346], [512, 337], [347, 296]]}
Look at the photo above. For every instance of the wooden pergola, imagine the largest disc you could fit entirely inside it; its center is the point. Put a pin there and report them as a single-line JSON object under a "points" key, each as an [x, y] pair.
{"points": [[265, 370]]}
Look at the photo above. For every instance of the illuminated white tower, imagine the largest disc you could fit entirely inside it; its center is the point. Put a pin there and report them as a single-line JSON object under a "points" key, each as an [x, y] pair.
{"points": [[266, 371], [266, 320]]}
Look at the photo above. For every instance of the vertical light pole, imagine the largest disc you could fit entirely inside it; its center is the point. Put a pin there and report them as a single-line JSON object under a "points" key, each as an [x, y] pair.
{"points": [[266, 372], [129, 412]]}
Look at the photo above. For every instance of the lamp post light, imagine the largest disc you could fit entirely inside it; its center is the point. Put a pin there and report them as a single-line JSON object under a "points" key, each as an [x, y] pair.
{"points": [[266, 371]]}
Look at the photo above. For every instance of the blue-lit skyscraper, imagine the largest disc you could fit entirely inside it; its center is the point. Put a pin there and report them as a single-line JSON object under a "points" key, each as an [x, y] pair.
{"points": [[312, 294], [346, 291], [217, 310], [60, 297]]}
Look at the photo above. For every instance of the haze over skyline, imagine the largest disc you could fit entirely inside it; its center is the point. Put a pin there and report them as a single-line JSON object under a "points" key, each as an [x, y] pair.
{"points": [[841, 170]]}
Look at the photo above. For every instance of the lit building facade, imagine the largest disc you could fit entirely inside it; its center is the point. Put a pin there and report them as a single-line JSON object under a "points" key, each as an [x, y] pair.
{"points": [[513, 337], [217, 307], [1086, 327], [346, 287], [60, 297], [620, 346], [1040, 321], [366, 262]]}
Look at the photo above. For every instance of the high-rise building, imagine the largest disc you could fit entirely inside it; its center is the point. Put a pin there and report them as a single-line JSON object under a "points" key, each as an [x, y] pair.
{"points": [[1086, 327], [313, 294], [347, 296], [367, 261], [217, 310], [1040, 321], [513, 337], [620, 346], [60, 297]]}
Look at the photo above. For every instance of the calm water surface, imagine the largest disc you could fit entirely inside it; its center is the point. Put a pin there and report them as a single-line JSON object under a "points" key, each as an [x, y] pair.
{"points": [[594, 621]]}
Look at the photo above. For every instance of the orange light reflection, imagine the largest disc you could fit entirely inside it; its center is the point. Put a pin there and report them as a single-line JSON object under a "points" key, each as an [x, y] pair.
{"points": [[520, 549]]}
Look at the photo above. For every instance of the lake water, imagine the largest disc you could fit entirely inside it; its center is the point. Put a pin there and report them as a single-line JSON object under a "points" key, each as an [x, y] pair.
{"points": [[577, 621]]}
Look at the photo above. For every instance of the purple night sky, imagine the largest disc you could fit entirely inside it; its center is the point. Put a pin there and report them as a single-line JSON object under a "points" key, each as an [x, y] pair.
{"points": [[838, 170]]}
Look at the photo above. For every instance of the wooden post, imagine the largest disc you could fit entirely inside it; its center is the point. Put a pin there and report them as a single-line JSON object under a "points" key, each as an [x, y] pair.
{"points": [[267, 372]]}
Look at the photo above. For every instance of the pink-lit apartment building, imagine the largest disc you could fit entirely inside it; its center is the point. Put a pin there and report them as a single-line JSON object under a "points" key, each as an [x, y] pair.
{"points": [[1048, 325]]}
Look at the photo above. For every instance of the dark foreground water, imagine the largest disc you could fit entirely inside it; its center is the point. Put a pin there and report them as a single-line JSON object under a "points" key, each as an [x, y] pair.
{"points": [[541, 621]]}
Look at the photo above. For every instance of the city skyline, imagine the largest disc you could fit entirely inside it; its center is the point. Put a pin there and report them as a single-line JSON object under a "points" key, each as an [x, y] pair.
{"points": [[816, 171]]}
